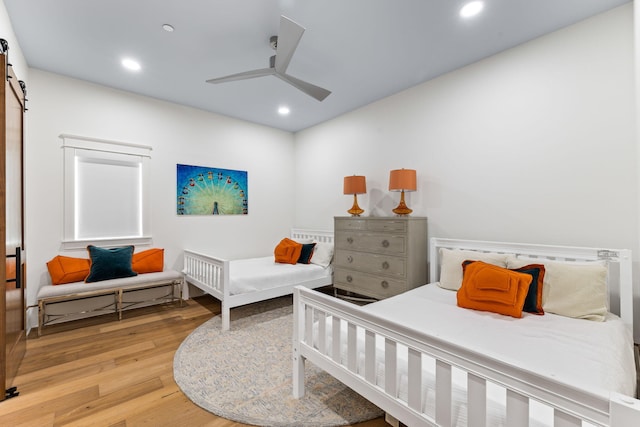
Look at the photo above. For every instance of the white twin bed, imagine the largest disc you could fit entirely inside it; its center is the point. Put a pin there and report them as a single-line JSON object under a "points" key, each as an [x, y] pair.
{"points": [[246, 281], [426, 361]]}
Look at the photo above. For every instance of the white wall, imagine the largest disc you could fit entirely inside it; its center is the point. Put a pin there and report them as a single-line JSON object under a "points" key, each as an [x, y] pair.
{"points": [[536, 144], [178, 135]]}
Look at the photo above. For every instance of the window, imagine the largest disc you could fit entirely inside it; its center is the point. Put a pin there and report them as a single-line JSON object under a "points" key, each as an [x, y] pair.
{"points": [[106, 197]]}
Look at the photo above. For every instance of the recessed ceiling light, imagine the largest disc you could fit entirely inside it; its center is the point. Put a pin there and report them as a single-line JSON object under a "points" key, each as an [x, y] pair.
{"points": [[131, 64], [168, 27], [471, 9], [283, 111]]}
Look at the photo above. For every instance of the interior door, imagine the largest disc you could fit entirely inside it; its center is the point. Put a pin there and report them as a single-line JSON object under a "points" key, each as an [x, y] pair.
{"points": [[12, 294]]}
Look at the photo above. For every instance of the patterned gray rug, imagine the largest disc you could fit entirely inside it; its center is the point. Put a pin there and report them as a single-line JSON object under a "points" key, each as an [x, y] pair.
{"points": [[244, 374]]}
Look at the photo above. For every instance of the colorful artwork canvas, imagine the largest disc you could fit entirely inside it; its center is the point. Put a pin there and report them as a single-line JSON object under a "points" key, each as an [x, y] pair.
{"points": [[211, 191]]}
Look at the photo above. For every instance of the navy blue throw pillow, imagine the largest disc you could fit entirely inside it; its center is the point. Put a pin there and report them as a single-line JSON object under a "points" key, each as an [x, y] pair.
{"points": [[533, 301], [110, 263], [306, 253]]}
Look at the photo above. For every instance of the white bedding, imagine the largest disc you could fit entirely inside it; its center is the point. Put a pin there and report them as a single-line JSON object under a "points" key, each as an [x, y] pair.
{"points": [[254, 274], [597, 356]]}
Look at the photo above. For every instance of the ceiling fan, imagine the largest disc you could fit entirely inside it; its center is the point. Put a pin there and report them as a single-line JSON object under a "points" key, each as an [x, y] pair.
{"points": [[285, 44]]}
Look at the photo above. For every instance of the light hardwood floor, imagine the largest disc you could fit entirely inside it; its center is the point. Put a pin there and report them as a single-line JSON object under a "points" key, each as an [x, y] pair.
{"points": [[104, 372]]}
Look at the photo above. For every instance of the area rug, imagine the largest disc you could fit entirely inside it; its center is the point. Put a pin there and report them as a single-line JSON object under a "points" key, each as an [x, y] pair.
{"points": [[244, 374]]}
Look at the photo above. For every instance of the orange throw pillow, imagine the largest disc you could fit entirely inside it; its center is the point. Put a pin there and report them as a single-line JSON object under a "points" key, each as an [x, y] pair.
{"points": [[488, 287], [287, 251], [63, 269], [149, 261]]}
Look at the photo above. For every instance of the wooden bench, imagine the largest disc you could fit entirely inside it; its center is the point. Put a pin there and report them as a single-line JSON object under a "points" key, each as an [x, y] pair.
{"points": [[50, 294]]}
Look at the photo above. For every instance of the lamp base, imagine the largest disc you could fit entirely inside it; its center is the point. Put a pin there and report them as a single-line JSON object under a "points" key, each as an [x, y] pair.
{"points": [[402, 208], [355, 209], [402, 211]]}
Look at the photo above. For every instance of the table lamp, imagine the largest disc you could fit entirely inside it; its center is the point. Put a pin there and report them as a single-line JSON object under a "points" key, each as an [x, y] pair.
{"points": [[355, 185], [402, 180]]}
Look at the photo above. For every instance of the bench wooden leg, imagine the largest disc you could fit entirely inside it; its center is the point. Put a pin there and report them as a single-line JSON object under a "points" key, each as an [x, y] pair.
{"points": [[40, 316], [119, 303], [180, 287]]}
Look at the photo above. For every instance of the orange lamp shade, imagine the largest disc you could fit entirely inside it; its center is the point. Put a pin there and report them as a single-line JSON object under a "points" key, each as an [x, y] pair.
{"points": [[355, 184], [402, 180]]}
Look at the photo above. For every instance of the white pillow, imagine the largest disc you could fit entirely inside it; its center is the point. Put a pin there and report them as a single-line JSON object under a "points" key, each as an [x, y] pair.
{"points": [[572, 289], [451, 264], [322, 254]]}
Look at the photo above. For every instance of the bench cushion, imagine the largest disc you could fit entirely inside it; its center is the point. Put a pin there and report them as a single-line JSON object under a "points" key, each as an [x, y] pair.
{"points": [[49, 291]]}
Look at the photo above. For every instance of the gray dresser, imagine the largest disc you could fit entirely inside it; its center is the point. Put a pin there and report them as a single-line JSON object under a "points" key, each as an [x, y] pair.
{"points": [[379, 257]]}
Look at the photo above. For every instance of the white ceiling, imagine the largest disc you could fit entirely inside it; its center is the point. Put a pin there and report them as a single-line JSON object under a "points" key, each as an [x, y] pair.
{"points": [[361, 50]]}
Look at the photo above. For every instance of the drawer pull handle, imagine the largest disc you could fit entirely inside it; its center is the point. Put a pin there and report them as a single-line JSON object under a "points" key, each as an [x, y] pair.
{"points": [[349, 259], [385, 243], [349, 240], [385, 265], [384, 284], [349, 279]]}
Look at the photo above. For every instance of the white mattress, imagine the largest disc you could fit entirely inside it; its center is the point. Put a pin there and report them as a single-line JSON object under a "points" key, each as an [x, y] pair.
{"points": [[256, 274], [597, 356]]}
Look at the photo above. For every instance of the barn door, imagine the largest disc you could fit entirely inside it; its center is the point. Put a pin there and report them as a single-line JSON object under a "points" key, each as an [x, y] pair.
{"points": [[12, 280]]}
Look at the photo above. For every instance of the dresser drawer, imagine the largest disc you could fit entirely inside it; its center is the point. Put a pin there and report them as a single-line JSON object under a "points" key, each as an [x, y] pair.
{"points": [[357, 224], [350, 224], [371, 263], [367, 284], [391, 225], [372, 242]]}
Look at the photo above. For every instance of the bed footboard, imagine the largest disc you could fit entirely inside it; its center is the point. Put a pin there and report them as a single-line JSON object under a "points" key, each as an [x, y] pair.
{"points": [[341, 339], [210, 274]]}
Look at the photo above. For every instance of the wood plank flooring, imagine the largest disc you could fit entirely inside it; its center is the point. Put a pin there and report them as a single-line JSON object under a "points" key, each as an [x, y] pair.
{"points": [[104, 372]]}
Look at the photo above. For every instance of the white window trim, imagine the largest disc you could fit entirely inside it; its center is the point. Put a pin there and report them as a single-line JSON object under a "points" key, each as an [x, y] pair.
{"points": [[106, 243], [72, 142]]}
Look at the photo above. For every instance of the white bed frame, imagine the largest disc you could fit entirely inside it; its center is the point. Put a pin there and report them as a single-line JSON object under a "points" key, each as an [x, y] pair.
{"points": [[211, 274], [571, 405]]}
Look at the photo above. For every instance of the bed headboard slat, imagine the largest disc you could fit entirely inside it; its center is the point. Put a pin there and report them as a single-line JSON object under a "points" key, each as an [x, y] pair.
{"points": [[318, 235]]}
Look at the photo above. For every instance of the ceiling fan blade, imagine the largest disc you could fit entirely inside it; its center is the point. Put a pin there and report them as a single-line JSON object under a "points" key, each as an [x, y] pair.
{"points": [[244, 75], [287, 42], [314, 91], [288, 38]]}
